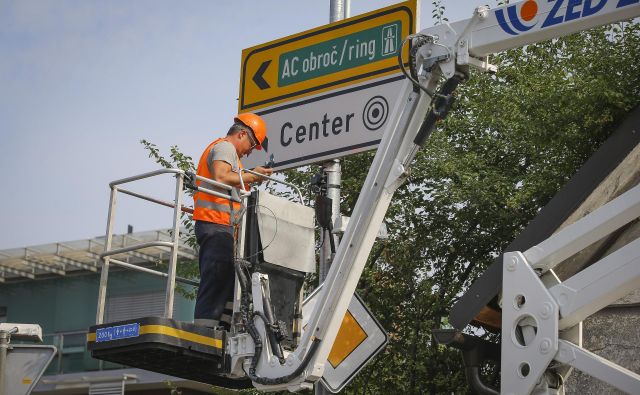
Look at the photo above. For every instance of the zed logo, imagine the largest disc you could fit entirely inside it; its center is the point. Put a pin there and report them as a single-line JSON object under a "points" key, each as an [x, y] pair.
{"points": [[522, 17]]}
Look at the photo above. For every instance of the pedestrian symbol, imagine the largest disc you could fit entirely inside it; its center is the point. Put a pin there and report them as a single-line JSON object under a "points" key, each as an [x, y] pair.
{"points": [[389, 39]]}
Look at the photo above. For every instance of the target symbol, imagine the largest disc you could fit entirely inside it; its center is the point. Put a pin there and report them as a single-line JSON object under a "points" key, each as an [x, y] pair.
{"points": [[375, 113]]}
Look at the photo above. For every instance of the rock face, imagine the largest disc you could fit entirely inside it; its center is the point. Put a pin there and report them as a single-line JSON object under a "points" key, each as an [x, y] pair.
{"points": [[614, 334]]}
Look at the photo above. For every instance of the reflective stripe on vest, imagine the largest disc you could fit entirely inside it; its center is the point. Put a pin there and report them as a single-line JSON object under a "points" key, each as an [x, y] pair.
{"points": [[212, 208]]}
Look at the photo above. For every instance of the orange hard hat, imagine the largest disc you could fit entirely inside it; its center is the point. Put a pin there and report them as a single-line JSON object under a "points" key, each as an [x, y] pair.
{"points": [[257, 126]]}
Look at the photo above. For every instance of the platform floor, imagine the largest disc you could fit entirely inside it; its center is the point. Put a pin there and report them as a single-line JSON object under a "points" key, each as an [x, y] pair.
{"points": [[165, 346]]}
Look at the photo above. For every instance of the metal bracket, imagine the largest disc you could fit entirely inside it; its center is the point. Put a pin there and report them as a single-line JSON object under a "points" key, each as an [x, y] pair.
{"points": [[450, 51], [529, 326], [535, 309], [530, 331], [428, 63], [397, 176], [437, 51], [239, 348], [462, 45]]}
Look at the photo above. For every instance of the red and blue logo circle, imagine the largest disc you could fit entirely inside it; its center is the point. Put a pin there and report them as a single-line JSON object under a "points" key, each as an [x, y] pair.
{"points": [[518, 20]]}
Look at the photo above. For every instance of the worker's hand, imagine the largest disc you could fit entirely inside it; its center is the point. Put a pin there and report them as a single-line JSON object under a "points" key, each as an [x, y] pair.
{"points": [[262, 170]]}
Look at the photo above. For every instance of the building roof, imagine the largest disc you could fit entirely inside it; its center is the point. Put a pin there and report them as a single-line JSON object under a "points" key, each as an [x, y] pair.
{"points": [[83, 256]]}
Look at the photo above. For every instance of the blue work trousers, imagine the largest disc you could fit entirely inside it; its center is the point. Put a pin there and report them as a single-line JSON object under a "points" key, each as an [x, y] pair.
{"points": [[217, 277]]}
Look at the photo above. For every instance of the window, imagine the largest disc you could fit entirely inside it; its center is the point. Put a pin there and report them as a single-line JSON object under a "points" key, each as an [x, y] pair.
{"points": [[126, 307]]}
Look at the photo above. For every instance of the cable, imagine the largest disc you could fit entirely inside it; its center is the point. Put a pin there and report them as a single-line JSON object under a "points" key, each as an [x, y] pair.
{"points": [[320, 246], [423, 39], [270, 327], [411, 65], [255, 335], [274, 233]]}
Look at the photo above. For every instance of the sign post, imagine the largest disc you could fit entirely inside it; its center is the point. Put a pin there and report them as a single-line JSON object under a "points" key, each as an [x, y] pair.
{"points": [[333, 180]]}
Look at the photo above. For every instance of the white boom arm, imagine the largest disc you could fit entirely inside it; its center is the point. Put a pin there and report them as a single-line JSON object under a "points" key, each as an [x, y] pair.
{"points": [[556, 309], [505, 27], [450, 48]]}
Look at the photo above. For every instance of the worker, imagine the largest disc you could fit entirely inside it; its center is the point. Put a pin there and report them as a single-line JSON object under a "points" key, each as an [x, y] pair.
{"points": [[216, 219]]}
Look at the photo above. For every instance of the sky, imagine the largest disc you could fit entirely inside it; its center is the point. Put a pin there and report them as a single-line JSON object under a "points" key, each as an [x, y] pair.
{"points": [[83, 81]]}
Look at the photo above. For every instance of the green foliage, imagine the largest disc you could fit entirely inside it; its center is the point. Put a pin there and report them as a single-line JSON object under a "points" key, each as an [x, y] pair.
{"points": [[438, 12], [177, 158], [185, 268]]}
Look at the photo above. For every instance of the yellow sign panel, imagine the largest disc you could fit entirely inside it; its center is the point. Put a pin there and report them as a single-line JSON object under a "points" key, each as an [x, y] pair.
{"points": [[350, 335], [358, 340], [325, 58]]}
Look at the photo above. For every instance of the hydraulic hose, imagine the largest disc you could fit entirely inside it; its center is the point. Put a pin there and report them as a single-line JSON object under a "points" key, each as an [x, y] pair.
{"points": [[473, 378], [273, 341], [441, 105], [270, 324], [255, 335]]}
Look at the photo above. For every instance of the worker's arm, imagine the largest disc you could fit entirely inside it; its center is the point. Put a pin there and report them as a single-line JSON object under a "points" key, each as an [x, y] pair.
{"points": [[222, 172]]}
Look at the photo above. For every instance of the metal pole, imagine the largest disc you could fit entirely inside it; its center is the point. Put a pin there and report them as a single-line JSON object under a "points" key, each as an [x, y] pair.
{"points": [[61, 349], [5, 339], [333, 171], [171, 280], [336, 10], [4, 347], [104, 275], [332, 168]]}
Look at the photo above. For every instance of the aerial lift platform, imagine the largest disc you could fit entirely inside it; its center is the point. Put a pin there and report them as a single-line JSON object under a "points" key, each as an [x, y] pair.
{"points": [[196, 352], [540, 324], [159, 344], [166, 346]]}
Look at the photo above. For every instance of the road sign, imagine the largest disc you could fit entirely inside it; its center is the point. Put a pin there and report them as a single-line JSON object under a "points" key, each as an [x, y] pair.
{"points": [[359, 339], [25, 364], [329, 126], [326, 92], [326, 58]]}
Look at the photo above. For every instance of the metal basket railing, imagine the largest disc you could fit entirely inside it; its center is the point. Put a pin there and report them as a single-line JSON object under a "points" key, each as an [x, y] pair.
{"points": [[234, 194]]}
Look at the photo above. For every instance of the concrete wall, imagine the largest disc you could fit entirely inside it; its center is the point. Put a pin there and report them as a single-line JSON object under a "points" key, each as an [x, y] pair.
{"points": [[613, 333]]}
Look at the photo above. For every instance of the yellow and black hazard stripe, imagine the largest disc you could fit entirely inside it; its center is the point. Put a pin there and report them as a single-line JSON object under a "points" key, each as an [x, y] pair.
{"points": [[163, 331]]}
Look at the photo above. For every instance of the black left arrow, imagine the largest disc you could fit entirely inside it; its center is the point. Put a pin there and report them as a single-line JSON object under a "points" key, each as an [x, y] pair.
{"points": [[258, 78]]}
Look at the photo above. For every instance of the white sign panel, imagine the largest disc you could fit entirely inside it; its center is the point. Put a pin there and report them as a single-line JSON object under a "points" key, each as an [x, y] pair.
{"points": [[328, 125], [359, 339], [24, 366]]}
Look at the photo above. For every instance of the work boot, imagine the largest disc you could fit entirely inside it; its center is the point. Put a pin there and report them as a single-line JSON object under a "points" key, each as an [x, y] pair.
{"points": [[209, 323], [213, 324]]}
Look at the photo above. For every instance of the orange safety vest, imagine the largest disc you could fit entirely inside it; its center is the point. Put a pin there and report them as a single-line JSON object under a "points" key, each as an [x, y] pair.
{"points": [[213, 208]]}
